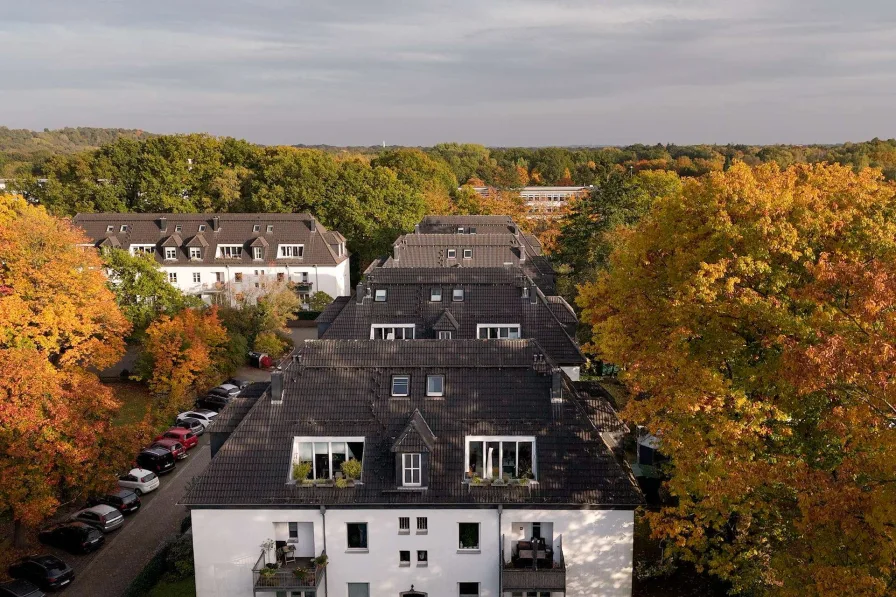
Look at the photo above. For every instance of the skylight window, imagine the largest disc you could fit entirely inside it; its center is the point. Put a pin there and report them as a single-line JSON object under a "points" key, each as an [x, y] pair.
{"points": [[452, 253], [401, 385], [380, 295], [435, 385], [110, 228], [270, 228], [457, 295], [256, 228], [468, 253], [435, 295], [178, 228], [124, 228], [201, 227]]}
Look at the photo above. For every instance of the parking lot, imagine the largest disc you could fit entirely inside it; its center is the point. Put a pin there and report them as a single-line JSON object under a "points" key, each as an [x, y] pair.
{"points": [[109, 570]]}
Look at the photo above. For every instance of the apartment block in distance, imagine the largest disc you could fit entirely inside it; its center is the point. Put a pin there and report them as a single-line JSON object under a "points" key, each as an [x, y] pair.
{"points": [[226, 258]]}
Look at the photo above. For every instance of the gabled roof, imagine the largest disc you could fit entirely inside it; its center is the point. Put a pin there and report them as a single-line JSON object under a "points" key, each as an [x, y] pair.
{"points": [[329, 314], [491, 296], [416, 437], [343, 389], [259, 242], [212, 230]]}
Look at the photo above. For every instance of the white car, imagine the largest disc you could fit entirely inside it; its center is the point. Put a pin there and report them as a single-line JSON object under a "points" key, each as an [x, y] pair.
{"points": [[140, 480], [203, 416]]}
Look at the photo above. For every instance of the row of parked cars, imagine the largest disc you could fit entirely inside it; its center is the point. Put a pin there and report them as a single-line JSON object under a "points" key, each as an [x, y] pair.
{"points": [[85, 531]]}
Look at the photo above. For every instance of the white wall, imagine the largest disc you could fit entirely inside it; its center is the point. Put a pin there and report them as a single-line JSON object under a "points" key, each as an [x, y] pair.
{"points": [[597, 547]]}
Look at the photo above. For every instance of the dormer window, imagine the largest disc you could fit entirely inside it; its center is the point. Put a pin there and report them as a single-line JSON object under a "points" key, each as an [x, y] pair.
{"points": [[257, 253], [452, 253], [457, 295], [494, 457], [230, 251], [170, 253], [460, 229], [110, 228], [411, 470], [290, 251], [495, 331], [380, 295], [195, 253], [270, 228], [468, 253], [401, 385], [435, 295], [385, 331], [143, 249], [322, 457]]}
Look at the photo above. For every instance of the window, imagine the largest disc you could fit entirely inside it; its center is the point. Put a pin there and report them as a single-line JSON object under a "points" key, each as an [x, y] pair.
{"points": [[422, 557], [293, 532], [195, 253], [219, 276], [257, 253], [460, 229], [392, 332], [178, 228], [404, 525], [291, 252], [452, 253], [357, 535], [124, 228], [201, 227], [256, 228], [422, 525], [468, 535], [143, 249], [490, 331], [197, 277], [237, 277], [270, 228], [445, 335], [457, 295], [468, 253], [435, 385], [468, 589], [435, 295], [492, 457], [404, 558], [170, 253], [401, 385], [358, 589], [380, 295], [172, 277], [230, 251], [410, 473], [325, 455]]}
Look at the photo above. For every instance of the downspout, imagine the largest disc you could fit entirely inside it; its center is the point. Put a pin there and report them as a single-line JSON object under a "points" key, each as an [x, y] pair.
{"points": [[323, 516], [500, 552]]}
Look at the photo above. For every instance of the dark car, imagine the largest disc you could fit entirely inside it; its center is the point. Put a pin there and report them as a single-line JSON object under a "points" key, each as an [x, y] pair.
{"points": [[212, 402], [240, 383], [47, 572], [157, 460], [73, 537], [124, 500], [20, 588]]}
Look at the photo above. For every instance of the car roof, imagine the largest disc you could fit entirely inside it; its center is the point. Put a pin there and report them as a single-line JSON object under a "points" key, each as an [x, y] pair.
{"points": [[123, 493], [228, 386], [204, 411], [100, 509], [177, 430], [47, 560], [155, 451], [166, 441], [20, 587], [138, 472]]}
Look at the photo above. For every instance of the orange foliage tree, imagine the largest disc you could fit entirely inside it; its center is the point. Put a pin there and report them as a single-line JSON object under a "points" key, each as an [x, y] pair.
{"points": [[58, 323], [184, 354], [754, 315]]}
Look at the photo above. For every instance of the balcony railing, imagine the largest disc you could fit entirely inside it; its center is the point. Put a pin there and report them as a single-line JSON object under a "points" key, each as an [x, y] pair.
{"points": [[533, 567], [302, 573]]}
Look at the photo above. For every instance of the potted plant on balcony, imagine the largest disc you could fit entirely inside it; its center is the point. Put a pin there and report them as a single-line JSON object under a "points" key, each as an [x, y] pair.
{"points": [[267, 545], [321, 560], [300, 472], [500, 481], [302, 574], [351, 469], [266, 577]]}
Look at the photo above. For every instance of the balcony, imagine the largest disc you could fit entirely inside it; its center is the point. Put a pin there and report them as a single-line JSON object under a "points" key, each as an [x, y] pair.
{"points": [[533, 567], [302, 573]]}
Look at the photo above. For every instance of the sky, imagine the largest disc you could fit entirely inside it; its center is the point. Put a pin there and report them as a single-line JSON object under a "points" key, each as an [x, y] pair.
{"points": [[420, 72]]}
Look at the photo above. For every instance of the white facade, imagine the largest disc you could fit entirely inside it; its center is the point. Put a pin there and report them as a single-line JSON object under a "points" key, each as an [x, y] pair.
{"points": [[596, 546], [221, 279]]}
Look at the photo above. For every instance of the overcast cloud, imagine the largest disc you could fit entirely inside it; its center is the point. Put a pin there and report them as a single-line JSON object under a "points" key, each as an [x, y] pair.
{"points": [[418, 72]]}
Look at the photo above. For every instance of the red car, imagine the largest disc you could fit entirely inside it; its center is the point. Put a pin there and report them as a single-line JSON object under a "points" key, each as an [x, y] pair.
{"points": [[174, 446], [184, 436]]}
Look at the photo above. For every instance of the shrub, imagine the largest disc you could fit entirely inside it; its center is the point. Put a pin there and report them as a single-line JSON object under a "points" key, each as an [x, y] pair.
{"points": [[301, 470], [352, 469], [179, 558], [269, 343]]}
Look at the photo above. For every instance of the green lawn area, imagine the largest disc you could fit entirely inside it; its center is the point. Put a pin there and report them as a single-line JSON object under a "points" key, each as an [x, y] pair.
{"points": [[135, 401], [178, 588]]}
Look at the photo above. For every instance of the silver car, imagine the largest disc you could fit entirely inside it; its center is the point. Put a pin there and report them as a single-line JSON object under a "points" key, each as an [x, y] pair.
{"points": [[103, 517]]}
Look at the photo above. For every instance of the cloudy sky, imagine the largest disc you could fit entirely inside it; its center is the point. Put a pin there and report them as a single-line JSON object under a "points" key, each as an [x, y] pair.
{"points": [[418, 72]]}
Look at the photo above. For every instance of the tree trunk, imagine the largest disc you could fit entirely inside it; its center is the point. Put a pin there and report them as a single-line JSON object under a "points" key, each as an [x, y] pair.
{"points": [[19, 537]]}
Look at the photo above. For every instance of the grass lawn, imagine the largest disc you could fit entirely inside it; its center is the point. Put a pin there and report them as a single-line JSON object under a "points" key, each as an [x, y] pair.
{"points": [[177, 588], [135, 401]]}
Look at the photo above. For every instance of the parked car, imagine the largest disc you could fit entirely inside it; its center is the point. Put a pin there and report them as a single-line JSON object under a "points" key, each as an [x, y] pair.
{"points": [[240, 383], [225, 389], [212, 402], [47, 572], [210, 414], [176, 448], [140, 480], [20, 588], [125, 501], [157, 460], [184, 436], [105, 518], [203, 417], [194, 425], [73, 537]]}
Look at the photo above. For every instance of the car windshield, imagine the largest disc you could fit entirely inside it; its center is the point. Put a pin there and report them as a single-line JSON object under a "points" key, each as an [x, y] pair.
{"points": [[148, 478]]}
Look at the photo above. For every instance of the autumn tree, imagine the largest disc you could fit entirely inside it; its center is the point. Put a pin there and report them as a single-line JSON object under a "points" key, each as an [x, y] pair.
{"points": [[754, 317], [182, 355], [58, 324]]}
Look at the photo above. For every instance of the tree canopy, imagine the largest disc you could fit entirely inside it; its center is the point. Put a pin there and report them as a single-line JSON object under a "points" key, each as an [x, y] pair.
{"points": [[754, 317]]}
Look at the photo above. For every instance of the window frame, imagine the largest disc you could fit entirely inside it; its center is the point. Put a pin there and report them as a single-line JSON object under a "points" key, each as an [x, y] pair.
{"points": [[329, 440], [433, 393], [365, 535], [422, 557], [408, 466], [195, 253], [445, 335], [290, 251], [230, 251], [402, 528], [202, 227], [422, 525], [258, 253], [172, 277], [394, 327], [433, 293], [142, 249], [401, 557], [500, 440], [452, 253], [468, 594], [170, 253], [468, 253], [197, 277], [498, 327], [395, 378], [380, 295], [478, 547], [348, 590], [454, 295]]}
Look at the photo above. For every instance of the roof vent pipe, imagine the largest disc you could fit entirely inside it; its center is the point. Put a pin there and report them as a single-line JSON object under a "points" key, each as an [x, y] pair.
{"points": [[163, 224], [216, 223], [277, 387], [313, 224], [359, 293]]}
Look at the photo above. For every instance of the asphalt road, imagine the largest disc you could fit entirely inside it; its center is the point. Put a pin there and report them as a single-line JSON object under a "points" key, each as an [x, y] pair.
{"points": [[108, 571]]}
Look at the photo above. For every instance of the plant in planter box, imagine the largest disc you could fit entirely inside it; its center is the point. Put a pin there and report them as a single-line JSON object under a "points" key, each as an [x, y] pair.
{"points": [[351, 469], [301, 573], [301, 470], [321, 560], [266, 576], [342, 483], [476, 480]]}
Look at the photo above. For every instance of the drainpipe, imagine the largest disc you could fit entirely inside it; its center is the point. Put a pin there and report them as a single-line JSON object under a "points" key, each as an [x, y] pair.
{"points": [[323, 516], [500, 552]]}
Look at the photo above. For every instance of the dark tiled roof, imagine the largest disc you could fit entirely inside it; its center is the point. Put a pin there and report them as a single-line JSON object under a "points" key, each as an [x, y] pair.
{"points": [[491, 295], [416, 437], [329, 314], [146, 229], [342, 388], [233, 414]]}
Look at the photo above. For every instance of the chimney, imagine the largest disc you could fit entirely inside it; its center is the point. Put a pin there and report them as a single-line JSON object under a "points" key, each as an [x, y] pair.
{"points": [[514, 230], [557, 385], [533, 295], [277, 387], [216, 223], [163, 224], [522, 254], [313, 224], [359, 293], [397, 252], [416, 228]]}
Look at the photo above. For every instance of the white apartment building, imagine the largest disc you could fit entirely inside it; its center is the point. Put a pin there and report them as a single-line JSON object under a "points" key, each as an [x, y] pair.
{"points": [[480, 475], [226, 258], [544, 200]]}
